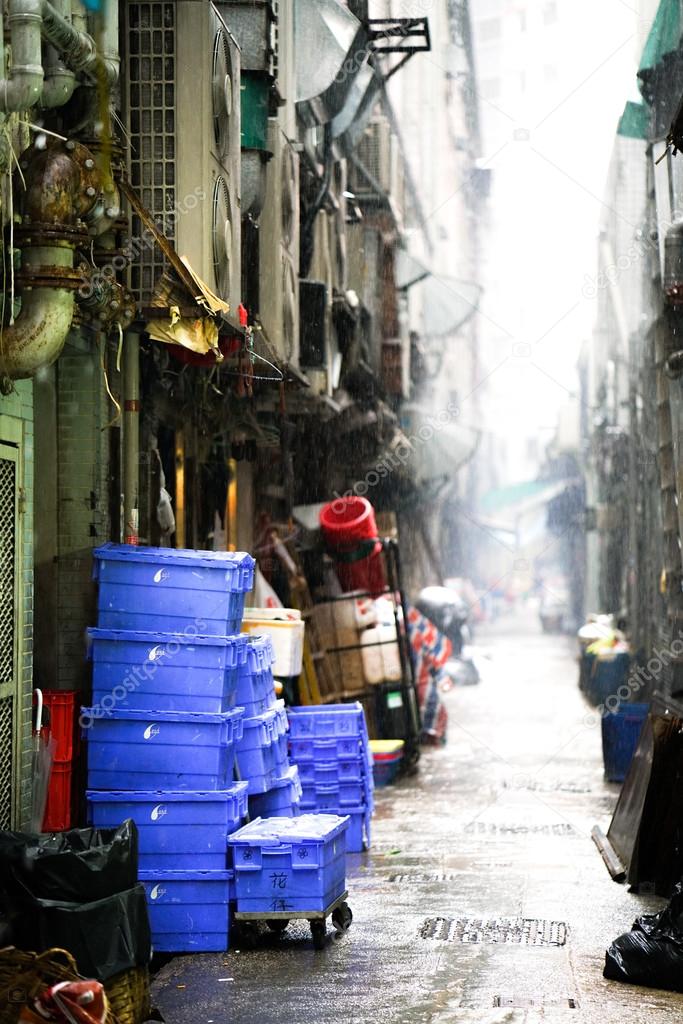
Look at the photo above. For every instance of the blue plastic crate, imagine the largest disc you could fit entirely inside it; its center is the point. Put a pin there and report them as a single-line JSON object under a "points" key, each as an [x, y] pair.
{"points": [[165, 672], [176, 831], [325, 750], [620, 734], [281, 800], [327, 721], [333, 798], [606, 676], [142, 750], [188, 910], [289, 864], [331, 773], [172, 589], [255, 683], [262, 748]]}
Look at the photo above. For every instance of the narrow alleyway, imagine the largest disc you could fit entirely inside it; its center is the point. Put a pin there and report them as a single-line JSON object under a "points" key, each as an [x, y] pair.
{"points": [[495, 826]]}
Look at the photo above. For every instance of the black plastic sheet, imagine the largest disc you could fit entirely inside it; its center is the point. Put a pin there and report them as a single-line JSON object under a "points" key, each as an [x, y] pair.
{"points": [[651, 954], [105, 937], [446, 610], [77, 866]]}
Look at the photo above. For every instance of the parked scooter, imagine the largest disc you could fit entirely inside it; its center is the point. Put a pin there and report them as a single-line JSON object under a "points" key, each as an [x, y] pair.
{"points": [[449, 613]]}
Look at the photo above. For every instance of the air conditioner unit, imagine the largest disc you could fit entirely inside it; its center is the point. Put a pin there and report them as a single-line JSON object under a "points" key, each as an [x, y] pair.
{"points": [[284, 64], [338, 244], [279, 248], [208, 148], [183, 106], [374, 152]]}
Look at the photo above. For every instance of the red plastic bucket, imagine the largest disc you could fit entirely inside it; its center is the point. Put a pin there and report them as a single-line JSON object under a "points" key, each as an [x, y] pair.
{"points": [[350, 532]]}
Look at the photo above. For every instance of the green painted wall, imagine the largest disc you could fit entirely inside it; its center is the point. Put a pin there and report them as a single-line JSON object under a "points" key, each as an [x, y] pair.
{"points": [[16, 427]]}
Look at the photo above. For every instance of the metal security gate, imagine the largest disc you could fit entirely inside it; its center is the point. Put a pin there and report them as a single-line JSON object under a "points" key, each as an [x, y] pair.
{"points": [[8, 629]]}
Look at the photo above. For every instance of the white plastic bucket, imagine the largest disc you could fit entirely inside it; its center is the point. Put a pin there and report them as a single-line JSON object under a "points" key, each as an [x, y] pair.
{"points": [[286, 629]]}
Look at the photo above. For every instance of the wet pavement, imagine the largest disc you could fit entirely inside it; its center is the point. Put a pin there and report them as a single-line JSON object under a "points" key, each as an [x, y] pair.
{"points": [[483, 898]]}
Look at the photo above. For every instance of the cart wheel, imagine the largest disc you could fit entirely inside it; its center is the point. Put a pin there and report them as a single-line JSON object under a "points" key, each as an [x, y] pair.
{"points": [[342, 917], [319, 933], [247, 935], [278, 926]]}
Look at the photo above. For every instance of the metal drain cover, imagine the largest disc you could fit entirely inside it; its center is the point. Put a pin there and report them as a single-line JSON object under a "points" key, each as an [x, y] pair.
{"points": [[521, 931], [485, 828], [425, 877], [529, 1002]]}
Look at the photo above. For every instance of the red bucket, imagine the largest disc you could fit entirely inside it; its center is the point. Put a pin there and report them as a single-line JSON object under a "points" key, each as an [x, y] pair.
{"points": [[350, 533]]}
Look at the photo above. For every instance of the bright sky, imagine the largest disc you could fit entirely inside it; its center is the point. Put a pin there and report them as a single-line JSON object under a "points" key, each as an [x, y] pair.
{"points": [[548, 138]]}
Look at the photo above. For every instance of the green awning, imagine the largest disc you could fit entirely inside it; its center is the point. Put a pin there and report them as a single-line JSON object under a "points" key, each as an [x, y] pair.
{"points": [[635, 121], [664, 37]]}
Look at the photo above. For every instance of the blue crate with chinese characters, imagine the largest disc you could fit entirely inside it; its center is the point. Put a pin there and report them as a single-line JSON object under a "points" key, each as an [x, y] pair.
{"points": [[289, 864]]}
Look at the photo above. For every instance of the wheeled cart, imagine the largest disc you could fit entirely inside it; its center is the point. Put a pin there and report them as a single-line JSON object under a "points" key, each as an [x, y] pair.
{"points": [[277, 921]]}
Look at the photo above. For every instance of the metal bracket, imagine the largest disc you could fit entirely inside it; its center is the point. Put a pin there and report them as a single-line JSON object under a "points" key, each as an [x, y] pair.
{"points": [[406, 36]]}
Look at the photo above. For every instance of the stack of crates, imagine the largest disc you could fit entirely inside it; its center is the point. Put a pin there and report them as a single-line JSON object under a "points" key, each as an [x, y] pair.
{"points": [[163, 728], [330, 746], [262, 758]]}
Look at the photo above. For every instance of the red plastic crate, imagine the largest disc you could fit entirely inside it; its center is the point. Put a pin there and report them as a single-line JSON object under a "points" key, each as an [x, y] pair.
{"points": [[59, 811], [62, 705]]}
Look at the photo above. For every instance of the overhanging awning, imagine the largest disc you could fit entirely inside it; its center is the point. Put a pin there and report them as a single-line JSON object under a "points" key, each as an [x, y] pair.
{"points": [[664, 37], [447, 302], [439, 446], [634, 123]]}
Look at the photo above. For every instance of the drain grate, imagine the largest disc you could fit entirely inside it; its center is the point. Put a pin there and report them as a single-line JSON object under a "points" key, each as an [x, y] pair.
{"points": [[531, 1002], [521, 931], [484, 828], [425, 877], [552, 786]]}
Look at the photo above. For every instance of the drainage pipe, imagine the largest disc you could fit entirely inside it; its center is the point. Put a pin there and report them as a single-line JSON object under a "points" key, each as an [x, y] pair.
{"points": [[78, 48], [60, 81], [131, 438], [38, 335], [21, 89], [61, 187]]}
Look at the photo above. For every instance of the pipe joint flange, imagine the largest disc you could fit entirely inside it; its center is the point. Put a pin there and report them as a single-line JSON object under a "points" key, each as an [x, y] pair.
{"points": [[65, 278], [36, 234]]}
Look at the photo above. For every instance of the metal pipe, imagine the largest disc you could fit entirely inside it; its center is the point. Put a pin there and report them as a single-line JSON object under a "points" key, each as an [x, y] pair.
{"points": [[21, 89], [60, 81], [131, 438], [38, 335], [79, 18], [78, 48]]}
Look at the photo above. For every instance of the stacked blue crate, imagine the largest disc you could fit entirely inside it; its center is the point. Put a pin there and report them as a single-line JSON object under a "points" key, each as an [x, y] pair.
{"points": [[330, 747], [163, 728], [262, 755]]}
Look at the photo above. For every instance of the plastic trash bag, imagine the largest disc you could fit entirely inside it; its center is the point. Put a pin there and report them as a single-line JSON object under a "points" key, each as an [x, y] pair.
{"points": [[78, 866], [104, 937], [651, 954]]}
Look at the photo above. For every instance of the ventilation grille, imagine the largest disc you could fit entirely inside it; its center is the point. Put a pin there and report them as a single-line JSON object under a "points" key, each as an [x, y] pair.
{"points": [[8, 496], [6, 763], [151, 111], [7, 570]]}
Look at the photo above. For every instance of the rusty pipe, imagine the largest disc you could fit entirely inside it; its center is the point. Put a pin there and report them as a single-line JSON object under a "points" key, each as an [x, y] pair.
{"points": [[60, 188], [37, 336], [21, 89], [78, 48]]}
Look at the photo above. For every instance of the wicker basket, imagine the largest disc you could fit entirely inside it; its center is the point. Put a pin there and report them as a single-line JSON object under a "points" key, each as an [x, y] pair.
{"points": [[128, 995], [24, 975]]}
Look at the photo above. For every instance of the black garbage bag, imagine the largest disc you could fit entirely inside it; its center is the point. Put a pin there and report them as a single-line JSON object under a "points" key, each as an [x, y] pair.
{"points": [[105, 936], [78, 866], [651, 954]]}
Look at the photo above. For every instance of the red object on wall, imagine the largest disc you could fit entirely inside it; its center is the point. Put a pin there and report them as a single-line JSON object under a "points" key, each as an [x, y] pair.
{"points": [[350, 531], [62, 706], [59, 810], [60, 806]]}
